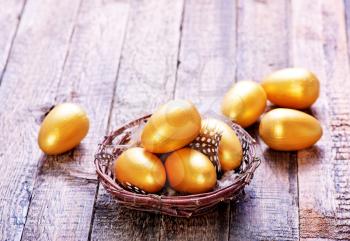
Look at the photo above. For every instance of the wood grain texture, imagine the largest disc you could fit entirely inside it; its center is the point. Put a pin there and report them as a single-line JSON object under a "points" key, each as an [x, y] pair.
{"points": [[10, 15], [270, 208], [206, 69], [121, 64], [64, 192], [207, 53], [33, 70], [347, 22], [319, 43], [61, 208], [146, 79]]}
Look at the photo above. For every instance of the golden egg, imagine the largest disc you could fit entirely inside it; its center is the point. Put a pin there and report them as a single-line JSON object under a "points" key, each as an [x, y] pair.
{"points": [[171, 127], [140, 168], [190, 171], [230, 149], [63, 128], [295, 88], [289, 130], [244, 103]]}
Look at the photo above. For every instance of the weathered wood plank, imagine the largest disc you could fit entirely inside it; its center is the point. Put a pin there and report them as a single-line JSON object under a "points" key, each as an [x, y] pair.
{"points": [[347, 19], [206, 69], [10, 15], [63, 200], [270, 208], [146, 79], [319, 43], [32, 73], [207, 57], [61, 208]]}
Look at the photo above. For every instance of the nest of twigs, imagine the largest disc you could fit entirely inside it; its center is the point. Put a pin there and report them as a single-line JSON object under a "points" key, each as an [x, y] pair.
{"points": [[229, 187]]}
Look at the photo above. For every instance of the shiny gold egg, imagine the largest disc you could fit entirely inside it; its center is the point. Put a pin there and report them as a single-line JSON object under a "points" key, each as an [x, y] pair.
{"points": [[289, 130], [295, 88], [244, 103], [172, 126], [140, 168], [230, 149], [63, 128], [190, 171]]}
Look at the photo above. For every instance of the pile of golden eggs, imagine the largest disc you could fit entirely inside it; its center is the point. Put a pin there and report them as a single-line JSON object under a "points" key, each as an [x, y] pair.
{"points": [[180, 148], [283, 129], [177, 131]]}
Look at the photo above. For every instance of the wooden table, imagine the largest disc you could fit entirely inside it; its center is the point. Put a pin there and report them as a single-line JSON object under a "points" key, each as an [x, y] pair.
{"points": [[122, 59]]}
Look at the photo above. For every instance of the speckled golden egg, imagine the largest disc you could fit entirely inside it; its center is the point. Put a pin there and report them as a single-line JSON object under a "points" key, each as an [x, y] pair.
{"points": [[289, 130], [171, 127], [244, 103], [190, 171], [295, 88], [63, 128], [141, 169], [230, 149]]}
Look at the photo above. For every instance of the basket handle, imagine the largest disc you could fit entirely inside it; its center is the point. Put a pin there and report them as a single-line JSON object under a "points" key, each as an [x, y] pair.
{"points": [[250, 173]]}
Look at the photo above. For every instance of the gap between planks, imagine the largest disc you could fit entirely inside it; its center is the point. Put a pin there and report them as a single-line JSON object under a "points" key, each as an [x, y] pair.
{"points": [[89, 73], [145, 80], [17, 14], [21, 78]]}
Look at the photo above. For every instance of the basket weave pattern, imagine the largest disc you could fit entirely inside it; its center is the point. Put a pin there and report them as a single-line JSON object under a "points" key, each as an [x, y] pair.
{"points": [[178, 205]]}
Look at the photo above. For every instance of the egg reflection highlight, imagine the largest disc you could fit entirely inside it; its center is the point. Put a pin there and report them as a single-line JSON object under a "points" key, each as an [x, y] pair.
{"points": [[141, 169], [289, 130], [230, 149], [244, 102], [190, 171], [172, 126], [296, 88], [63, 128]]}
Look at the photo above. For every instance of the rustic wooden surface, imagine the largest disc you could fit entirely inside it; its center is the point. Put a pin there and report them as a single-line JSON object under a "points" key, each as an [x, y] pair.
{"points": [[122, 58]]}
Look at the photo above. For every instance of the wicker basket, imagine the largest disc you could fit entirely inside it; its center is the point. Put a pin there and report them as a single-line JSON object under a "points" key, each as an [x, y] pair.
{"points": [[174, 205]]}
